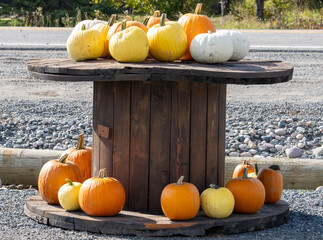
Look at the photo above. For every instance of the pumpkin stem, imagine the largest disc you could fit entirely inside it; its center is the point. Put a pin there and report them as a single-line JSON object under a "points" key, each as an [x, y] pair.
{"points": [[180, 181], [212, 185], [69, 182], [62, 159], [157, 13], [163, 19], [80, 144], [146, 20], [274, 167], [198, 8], [256, 169], [112, 19], [83, 27], [245, 173], [180, 15], [103, 173], [124, 25]]}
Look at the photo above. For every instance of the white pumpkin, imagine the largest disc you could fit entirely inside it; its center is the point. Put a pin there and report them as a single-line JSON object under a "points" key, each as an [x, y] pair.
{"points": [[241, 44], [87, 23], [211, 47]]}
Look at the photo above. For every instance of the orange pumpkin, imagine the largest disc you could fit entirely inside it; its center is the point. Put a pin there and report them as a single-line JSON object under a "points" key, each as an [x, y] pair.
{"points": [[238, 171], [194, 24], [102, 195], [155, 19], [180, 201], [249, 193], [273, 183], [82, 156], [52, 176]]}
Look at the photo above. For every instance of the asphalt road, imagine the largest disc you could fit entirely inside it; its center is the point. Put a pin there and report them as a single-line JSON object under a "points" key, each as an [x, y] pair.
{"points": [[18, 37]]}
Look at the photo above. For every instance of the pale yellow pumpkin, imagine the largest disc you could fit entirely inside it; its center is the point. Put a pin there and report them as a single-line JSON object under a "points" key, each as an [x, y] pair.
{"points": [[68, 195], [129, 45], [217, 202], [167, 40], [85, 44], [103, 28]]}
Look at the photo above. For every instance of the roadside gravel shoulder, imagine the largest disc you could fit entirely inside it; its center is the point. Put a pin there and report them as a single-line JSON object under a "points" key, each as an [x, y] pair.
{"points": [[306, 220]]}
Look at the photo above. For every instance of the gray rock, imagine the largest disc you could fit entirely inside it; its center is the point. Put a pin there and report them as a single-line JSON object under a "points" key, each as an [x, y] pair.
{"points": [[281, 124], [301, 145], [318, 151], [300, 130], [293, 152], [280, 132], [299, 136], [243, 147], [279, 147], [246, 154], [252, 145], [253, 151], [234, 154]]}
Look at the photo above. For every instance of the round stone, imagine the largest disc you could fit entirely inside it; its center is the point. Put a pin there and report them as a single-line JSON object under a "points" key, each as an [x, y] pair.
{"points": [[234, 154], [299, 136], [279, 147], [293, 152], [281, 124], [300, 145], [246, 154], [280, 132]]}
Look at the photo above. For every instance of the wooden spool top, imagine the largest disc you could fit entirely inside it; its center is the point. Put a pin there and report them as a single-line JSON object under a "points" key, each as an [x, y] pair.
{"points": [[232, 72]]}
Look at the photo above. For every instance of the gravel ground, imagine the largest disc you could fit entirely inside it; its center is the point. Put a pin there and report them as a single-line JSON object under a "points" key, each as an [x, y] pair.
{"points": [[263, 120], [306, 220]]}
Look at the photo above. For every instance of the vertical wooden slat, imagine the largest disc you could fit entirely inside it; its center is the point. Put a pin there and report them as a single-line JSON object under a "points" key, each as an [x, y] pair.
{"points": [[121, 130], [212, 135], [139, 155], [198, 134], [105, 113], [222, 126], [95, 136], [159, 142], [180, 131]]}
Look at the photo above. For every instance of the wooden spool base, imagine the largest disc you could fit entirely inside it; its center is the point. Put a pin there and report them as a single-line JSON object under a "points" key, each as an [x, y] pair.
{"points": [[147, 225]]}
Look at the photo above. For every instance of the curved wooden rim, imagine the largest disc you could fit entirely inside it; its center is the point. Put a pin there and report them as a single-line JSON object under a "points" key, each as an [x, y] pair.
{"points": [[232, 72]]}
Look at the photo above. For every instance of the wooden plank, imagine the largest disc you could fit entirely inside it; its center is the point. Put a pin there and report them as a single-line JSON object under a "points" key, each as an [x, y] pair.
{"points": [[105, 116], [159, 142], [95, 133], [121, 131], [198, 135], [212, 144], [139, 153], [104, 131], [221, 134], [180, 131]]}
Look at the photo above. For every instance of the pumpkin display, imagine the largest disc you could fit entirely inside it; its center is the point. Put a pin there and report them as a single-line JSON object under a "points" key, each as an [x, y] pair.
{"points": [[249, 193], [180, 201], [255, 173], [85, 44], [153, 20], [217, 202], [238, 171], [82, 157], [87, 24], [52, 176], [102, 195], [167, 40], [194, 24], [103, 28], [240, 42], [273, 183], [68, 195], [211, 48], [129, 45]]}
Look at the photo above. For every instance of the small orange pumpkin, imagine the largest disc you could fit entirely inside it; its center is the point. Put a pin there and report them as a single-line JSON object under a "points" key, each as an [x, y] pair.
{"points": [[102, 195], [52, 176], [249, 193], [180, 201], [82, 157], [193, 25], [238, 171], [155, 19], [273, 183]]}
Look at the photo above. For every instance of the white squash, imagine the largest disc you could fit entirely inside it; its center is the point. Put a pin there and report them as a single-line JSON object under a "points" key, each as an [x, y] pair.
{"points": [[240, 42], [87, 23], [211, 47]]}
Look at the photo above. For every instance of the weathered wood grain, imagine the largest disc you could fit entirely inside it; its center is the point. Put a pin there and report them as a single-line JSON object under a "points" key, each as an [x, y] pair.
{"points": [[149, 225], [232, 72]]}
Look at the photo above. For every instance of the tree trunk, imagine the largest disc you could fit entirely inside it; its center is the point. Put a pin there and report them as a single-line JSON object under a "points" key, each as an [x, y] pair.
{"points": [[260, 9], [225, 7]]}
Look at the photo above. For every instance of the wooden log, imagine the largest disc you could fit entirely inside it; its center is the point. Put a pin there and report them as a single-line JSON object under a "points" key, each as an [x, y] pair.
{"points": [[22, 166]]}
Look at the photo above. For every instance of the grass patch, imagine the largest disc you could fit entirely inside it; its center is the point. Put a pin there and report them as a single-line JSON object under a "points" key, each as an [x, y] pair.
{"points": [[12, 22]]}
